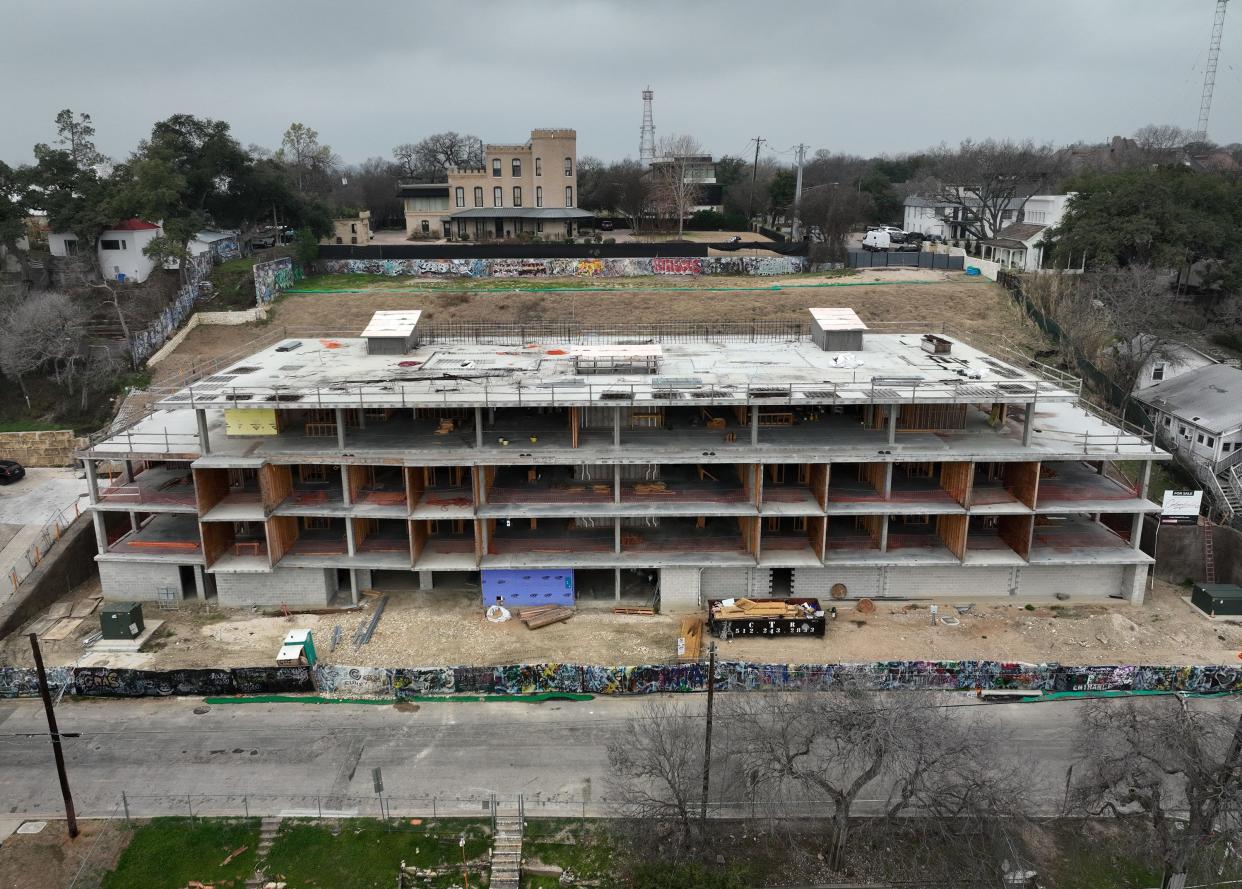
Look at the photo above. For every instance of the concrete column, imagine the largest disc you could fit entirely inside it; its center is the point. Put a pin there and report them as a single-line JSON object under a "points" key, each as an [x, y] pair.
{"points": [[888, 482], [353, 586], [340, 428], [616, 483], [101, 535], [616, 573], [478, 427], [133, 521], [362, 418], [345, 485], [884, 535], [426, 580], [1136, 530], [616, 535], [893, 411], [349, 537], [200, 583], [483, 537], [616, 428], [1028, 424], [129, 471], [1145, 479], [754, 426], [204, 439], [1134, 583], [481, 474], [92, 480]]}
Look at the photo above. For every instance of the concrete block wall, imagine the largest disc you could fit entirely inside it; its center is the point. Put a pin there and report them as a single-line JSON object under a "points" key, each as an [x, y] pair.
{"points": [[287, 586], [52, 447], [138, 581], [679, 589], [958, 582]]}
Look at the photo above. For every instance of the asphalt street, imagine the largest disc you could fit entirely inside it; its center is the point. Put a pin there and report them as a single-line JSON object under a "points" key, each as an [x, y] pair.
{"points": [[442, 758]]}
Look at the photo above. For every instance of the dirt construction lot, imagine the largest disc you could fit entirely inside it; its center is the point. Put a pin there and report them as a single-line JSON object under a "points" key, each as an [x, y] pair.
{"points": [[973, 305], [447, 627]]}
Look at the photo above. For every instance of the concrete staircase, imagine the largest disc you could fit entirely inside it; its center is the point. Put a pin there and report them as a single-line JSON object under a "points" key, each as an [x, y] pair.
{"points": [[507, 851], [268, 828]]}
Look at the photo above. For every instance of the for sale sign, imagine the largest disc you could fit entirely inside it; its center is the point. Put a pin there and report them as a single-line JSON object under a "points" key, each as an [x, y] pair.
{"points": [[1181, 507]]}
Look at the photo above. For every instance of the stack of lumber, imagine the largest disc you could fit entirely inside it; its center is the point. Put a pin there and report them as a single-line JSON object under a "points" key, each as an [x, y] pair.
{"points": [[691, 634], [543, 615], [651, 488], [749, 609], [445, 427]]}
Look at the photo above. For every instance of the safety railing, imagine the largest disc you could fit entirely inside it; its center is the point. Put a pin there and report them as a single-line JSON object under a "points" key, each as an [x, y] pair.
{"points": [[47, 538]]}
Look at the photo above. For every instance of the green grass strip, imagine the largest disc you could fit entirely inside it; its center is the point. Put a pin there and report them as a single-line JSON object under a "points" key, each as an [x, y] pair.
{"points": [[507, 290], [424, 699]]}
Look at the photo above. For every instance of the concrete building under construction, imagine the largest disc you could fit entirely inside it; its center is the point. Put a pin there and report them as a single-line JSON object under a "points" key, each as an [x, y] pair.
{"points": [[670, 462]]}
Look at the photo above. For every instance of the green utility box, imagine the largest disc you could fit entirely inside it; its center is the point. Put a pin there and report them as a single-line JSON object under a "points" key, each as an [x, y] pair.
{"points": [[121, 620], [300, 641], [1217, 599]]}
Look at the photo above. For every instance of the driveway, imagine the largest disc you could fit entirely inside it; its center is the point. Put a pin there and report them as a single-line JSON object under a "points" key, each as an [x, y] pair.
{"points": [[25, 507]]}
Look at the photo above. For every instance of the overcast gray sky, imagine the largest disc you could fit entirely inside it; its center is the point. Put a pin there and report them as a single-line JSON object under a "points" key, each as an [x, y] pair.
{"points": [[863, 76]]}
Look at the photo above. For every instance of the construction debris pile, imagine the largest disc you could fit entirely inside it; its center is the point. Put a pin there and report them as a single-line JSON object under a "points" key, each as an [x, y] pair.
{"points": [[544, 615], [742, 609], [765, 617]]}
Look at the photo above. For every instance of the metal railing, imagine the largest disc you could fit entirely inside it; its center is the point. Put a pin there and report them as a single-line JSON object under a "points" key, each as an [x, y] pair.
{"points": [[47, 538]]}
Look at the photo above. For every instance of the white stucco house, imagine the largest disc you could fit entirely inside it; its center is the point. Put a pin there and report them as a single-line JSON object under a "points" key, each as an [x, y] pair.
{"points": [[223, 245], [1169, 362], [120, 249]]}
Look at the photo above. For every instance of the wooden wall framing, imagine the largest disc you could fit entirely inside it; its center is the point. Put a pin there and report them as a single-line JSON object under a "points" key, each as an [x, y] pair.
{"points": [[275, 484], [1022, 481], [210, 487], [952, 532], [282, 534], [217, 538], [1016, 531]]}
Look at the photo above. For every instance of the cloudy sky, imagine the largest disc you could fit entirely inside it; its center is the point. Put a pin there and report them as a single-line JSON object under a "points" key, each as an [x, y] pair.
{"points": [[863, 76]]}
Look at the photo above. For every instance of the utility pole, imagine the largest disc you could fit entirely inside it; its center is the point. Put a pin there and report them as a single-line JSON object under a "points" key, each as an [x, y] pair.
{"points": [[754, 171], [797, 220], [707, 741], [70, 816]]}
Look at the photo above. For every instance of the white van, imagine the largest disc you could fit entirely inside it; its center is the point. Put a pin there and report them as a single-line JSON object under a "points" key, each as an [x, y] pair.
{"points": [[882, 240]]}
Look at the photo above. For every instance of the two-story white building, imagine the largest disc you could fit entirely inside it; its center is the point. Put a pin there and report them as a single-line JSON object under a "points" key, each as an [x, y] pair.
{"points": [[938, 218]]}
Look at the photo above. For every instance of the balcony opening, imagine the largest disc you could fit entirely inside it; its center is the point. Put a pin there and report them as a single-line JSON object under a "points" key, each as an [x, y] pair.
{"points": [[315, 485], [382, 536], [930, 483], [1004, 485], [788, 486], [1073, 484], [453, 539], [550, 485], [1079, 535], [927, 535], [690, 535], [229, 493], [852, 535], [857, 483], [442, 490], [377, 486], [670, 484], [526, 428], [787, 536], [152, 483], [536, 536], [235, 543], [160, 534], [997, 537], [318, 536]]}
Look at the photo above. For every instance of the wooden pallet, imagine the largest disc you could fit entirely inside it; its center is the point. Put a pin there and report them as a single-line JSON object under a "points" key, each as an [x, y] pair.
{"points": [[692, 632]]}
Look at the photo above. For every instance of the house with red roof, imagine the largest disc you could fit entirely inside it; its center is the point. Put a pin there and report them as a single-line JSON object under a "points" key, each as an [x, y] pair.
{"points": [[120, 249]]}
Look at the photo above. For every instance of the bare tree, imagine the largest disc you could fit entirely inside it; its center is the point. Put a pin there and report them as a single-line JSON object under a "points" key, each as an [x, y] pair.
{"points": [[311, 163], [1136, 304], [984, 181], [432, 157], [675, 188], [835, 211], [46, 334], [633, 190], [656, 767], [903, 749], [1162, 143], [1176, 762]]}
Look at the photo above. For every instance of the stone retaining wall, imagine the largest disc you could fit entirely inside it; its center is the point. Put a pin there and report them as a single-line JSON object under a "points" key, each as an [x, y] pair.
{"points": [[52, 447]]}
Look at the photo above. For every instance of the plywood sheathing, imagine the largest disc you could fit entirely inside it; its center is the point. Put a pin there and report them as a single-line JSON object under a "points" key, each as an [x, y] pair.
{"points": [[1016, 531], [210, 487], [1022, 480], [952, 532], [957, 479]]}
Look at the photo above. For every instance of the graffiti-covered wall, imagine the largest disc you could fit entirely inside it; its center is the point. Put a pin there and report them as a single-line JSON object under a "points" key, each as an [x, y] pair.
{"points": [[146, 342], [402, 683], [270, 278], [565, 268]]}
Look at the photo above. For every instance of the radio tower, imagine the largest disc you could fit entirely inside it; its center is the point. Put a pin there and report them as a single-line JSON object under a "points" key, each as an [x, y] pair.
{"points": [[646, 141], [1209, 75]]}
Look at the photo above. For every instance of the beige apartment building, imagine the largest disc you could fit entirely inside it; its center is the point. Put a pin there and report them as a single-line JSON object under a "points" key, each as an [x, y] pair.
{"points": [[520, 189]]}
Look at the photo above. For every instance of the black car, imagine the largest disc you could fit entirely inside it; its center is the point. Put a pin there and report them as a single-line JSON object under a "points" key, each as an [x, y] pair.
{"points": [[604, 225], [11, 471]]}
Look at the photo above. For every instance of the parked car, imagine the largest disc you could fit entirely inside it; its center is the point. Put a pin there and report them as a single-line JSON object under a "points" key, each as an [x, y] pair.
{"points": [[604, 225], [11, 471], [878, 240]]}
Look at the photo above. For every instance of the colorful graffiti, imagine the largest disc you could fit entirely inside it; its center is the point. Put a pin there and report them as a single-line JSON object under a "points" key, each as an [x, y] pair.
{"points": [[564, 268], [145, 343], [402, 683], [270, 278]]}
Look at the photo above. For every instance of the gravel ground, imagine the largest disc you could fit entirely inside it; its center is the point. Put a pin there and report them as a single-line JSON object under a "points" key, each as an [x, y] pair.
{"points": [[447, 627]]}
